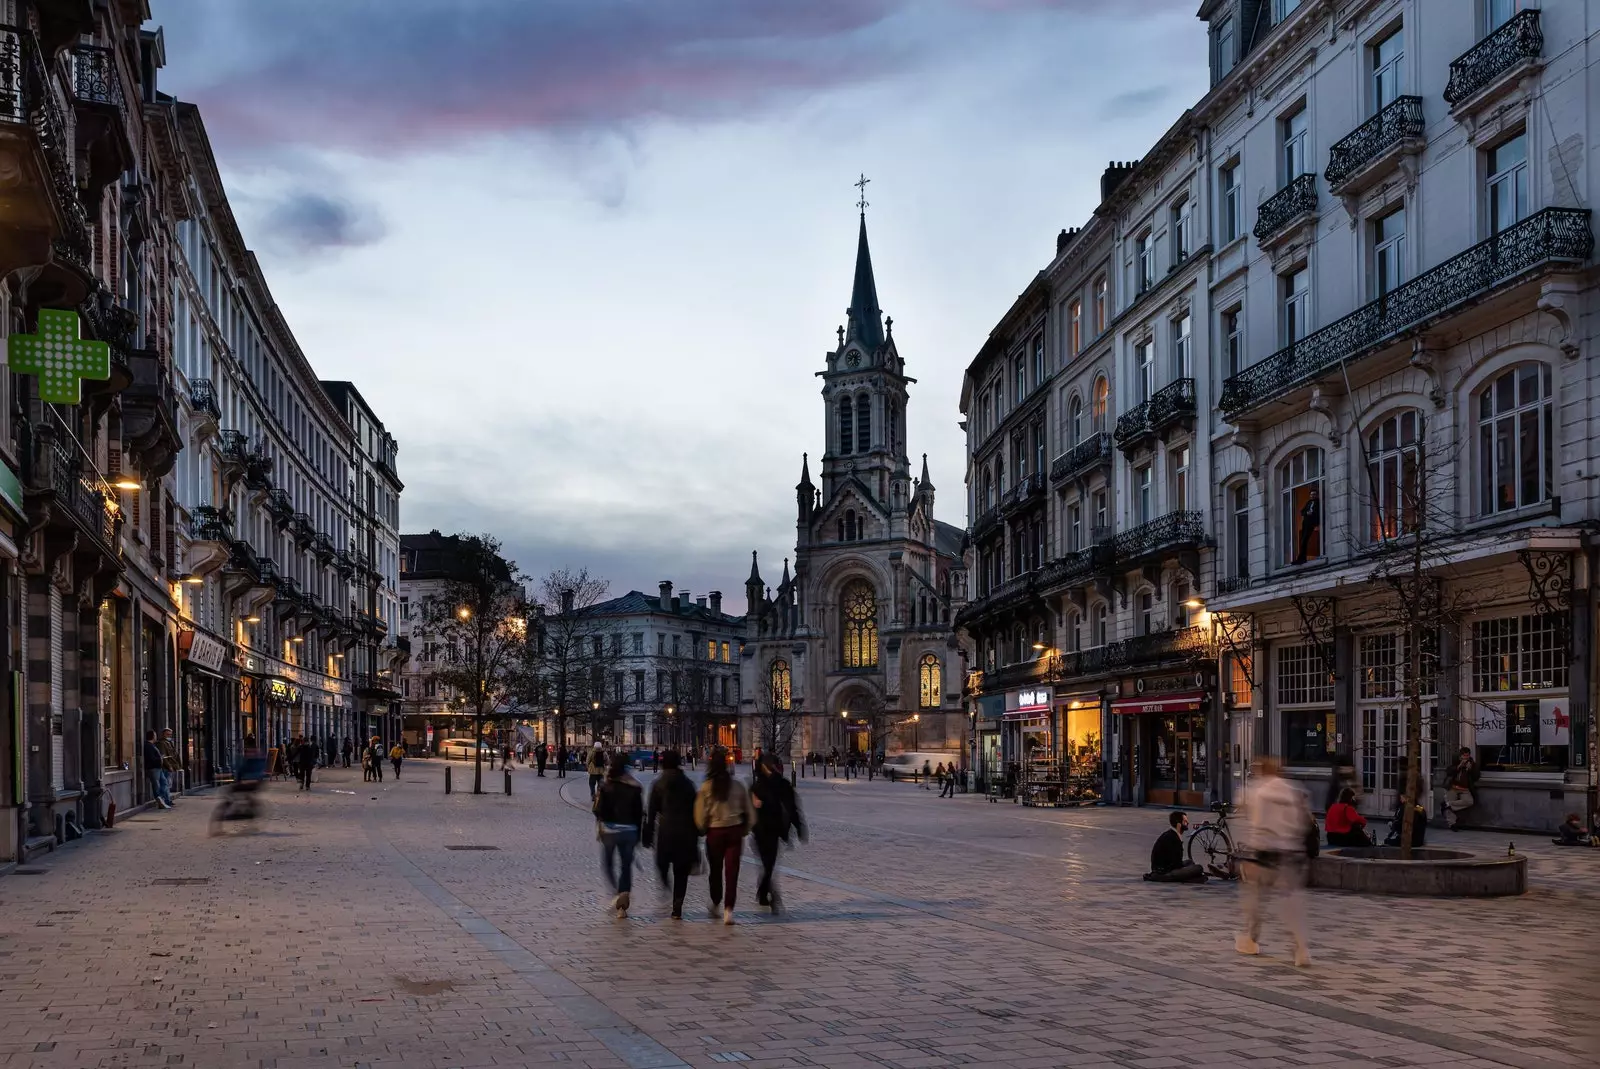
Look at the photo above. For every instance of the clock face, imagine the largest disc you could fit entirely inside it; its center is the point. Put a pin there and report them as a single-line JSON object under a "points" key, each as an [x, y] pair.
{"points": [[854, 359]]}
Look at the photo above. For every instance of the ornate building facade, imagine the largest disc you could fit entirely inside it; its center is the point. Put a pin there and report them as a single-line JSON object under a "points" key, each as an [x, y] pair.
{"points": [[855, 649]]}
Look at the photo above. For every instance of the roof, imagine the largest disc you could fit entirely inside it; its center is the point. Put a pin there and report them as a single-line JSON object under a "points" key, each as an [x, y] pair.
{"points": [[948, 539], [866, 318], [636, 603]]}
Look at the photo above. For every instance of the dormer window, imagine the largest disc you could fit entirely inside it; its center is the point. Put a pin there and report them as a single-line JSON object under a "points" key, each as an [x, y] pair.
{"points": [[1225, 47]]}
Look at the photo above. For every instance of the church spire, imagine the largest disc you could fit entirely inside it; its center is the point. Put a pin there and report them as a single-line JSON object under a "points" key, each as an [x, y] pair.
{"points": [[805, 469], [755, 571], [925, 482], [866, 318]]}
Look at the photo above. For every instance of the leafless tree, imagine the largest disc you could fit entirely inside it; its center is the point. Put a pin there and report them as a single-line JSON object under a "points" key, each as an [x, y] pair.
{"points": [[572, 652]]}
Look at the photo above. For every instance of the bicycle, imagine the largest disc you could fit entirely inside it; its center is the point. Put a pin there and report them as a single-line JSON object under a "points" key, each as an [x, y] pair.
{"points": [[1211, 845]]}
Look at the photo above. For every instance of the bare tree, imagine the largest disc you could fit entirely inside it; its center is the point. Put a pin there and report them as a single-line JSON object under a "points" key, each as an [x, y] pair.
{"points": [[572, 652], [775, 715], [479, 619]]}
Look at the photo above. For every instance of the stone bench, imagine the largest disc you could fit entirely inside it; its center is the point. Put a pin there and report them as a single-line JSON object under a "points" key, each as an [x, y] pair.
{"points": [[1431, 871]]}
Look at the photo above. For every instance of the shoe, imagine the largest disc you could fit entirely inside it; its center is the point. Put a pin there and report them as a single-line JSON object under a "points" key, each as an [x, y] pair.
{"points": [[677, 911], [727, 915], [622, 904], [1302, 958], [1245, 945]]}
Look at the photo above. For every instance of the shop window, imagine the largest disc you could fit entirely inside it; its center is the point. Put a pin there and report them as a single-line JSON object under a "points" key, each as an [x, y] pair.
{"points": [[1309, 736], [1518, 653], [929, 682], [1303, 676], [1527, 735]]}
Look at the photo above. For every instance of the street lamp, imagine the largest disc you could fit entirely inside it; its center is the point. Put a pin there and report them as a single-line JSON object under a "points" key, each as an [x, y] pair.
{"points": [[464, 612]]}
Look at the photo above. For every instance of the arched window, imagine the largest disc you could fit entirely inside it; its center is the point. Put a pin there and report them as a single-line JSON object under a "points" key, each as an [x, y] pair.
{"points": [[1300, 507], [987, 500], [851, 531], [1097, 625], [1000, 473], [863, 423], [846, 432], [779, 681], [1516, 440], [859, 607], [1074, 634], [1075, 419], [1102, 401], [929, 682], [1393, 478]]}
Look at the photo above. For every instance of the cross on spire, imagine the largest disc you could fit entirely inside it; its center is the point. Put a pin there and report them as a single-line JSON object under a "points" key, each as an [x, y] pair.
{"points": [[861, 184]]}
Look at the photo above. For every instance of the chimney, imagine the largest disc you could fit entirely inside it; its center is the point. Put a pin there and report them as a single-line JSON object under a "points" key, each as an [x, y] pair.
{"points": [[716, 602], [666, 593], [566, 601], [1064, 239], [701, 601], [684, 599], [1113, 177]]}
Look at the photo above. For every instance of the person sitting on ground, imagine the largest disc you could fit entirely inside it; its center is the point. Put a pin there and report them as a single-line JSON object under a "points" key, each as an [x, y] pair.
{"points": [[1346, 827], [1167, 864], [1572, 832]]}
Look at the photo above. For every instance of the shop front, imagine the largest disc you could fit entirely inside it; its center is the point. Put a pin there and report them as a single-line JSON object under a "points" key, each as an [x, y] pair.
{"points": [[1078, 730], [987, 720], [203, 659], [1165, 739], [1028, 744]]}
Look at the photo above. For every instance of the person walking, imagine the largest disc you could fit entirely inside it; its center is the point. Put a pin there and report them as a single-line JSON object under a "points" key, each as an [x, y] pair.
{"points": [[949, 788], [154, 775], [1275, 838], [777, 813], [397, 754], [1461, 785], [375, 754], [927, 775], [597, 769], [562, 756], [541, 754], [619, 807], [305, 759], [723, 814], [345, 750], [169, 760], [670, 827]]}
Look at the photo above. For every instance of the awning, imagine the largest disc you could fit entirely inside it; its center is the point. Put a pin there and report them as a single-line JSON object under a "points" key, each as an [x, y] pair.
{"points": [[1166, 703]]}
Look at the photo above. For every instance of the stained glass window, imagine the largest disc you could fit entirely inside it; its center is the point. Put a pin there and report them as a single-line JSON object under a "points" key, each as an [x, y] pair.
{"points": [[780, 682], [860, 610], [930, 682]]}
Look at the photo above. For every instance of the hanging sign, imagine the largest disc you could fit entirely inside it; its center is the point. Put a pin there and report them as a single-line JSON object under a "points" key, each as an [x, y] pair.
{"points": [[59, 357]]}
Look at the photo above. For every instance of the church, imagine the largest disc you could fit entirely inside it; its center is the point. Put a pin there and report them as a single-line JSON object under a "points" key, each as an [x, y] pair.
{"points": [[855, 649]]}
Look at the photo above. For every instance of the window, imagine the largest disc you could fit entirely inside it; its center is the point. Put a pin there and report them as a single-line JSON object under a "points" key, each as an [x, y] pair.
{"points": [[1102, 515], [1074, 527], [1500, 12], [1516, 653], [661, 686], [1295, 289], [848, 530], [1508, 183], [1226, 46], [638, 684], [1236, 679], [1309, 736], [1282, 8], [1038, 361], [616, 645], [675, 645], [725, 653], [846, 426], [1038, 438], [860, 610], [1019, 371], [1145, 264], [779, 681], [1142, 505], [1100, 295], [863, 423], [661, 644], [1394, 480], [1232, 207], [1300, 515], [1530, 736], [1516, 455], [1182, 360], [1239, 529], [1179, 460], [638, 643], [1075, 420], [1233, 341], [711, 649], [1303, 676], [1147, 613], [929, 682], [1388, 74], [1097, 624], [1378, 658], [1144, 362], [1388, 252], [1074, 328], [1182, 241], [1296, 145], [1102, 401], [1181, 594]]}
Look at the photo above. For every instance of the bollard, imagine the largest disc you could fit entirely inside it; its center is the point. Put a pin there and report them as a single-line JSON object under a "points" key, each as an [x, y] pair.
{"points": [[508, 781], [793, 776], [447, 779]]}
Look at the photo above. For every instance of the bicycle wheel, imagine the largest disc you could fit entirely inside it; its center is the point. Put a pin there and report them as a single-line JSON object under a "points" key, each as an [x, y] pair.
{"points": [[1211, 848]]}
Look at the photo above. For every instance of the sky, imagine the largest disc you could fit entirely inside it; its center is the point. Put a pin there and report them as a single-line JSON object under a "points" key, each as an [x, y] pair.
{"points": [[584, 257]]}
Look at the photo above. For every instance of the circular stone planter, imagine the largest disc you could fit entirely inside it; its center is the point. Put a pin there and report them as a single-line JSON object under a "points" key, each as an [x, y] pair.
{"points": [[1431, 871]]}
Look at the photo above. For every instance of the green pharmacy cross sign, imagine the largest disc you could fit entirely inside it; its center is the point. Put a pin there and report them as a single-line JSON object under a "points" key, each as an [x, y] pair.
{"points": [[60, 358]]}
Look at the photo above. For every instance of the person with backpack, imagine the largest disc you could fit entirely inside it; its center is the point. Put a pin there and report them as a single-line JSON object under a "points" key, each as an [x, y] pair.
{"points": [[670, 827], [619, 807], [722, 812], [777, 810], [597, 769]]}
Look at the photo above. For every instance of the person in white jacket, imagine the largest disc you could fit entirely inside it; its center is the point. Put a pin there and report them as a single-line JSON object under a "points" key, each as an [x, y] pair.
{"points": [[1279, 821]]}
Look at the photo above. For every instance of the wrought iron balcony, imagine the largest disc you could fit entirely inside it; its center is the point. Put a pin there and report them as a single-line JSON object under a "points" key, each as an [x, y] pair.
{"points": [[94, 76], [986, 522], [258, 471], [1187, 644], [58, 493], [322, 546], [1168, 405], [209, 524], [1232, 584], [288, 588], [267, 571], [203, 398], [304, 531], [234, 448], [280, 506], [1390, 131], [1027, 490], [1073, 567], [1165, 534], [244, 559], [28, 99], [1519, 41], [1093, 452], [1297, 199], [344, 563], [1555, 236]]}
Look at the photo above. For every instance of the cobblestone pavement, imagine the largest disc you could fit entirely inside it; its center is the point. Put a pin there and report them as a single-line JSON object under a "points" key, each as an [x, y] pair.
{"points": [[919, 932]]}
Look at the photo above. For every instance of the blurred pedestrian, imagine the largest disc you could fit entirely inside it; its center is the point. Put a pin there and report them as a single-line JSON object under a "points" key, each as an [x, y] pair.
{"points": [[153, 773], [1276, 833], [777, 814], [375, 752], [670, 828], [397, 754], [597, 769], [305, 759], [949, 788], [1460, 784], [346, 750], [561, 761], [619, 807], [723, 814], [541, 755]]}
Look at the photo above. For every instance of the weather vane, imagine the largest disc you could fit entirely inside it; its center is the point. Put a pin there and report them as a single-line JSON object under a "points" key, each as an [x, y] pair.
{"points": [[861, 184]]}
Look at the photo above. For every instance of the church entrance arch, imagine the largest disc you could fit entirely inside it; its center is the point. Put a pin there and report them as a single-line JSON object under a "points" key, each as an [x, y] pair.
{"points": [[862, 721]]}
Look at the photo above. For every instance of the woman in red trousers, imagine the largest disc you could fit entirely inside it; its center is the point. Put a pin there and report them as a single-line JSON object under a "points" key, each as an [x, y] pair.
{"points": [[722, 811]]}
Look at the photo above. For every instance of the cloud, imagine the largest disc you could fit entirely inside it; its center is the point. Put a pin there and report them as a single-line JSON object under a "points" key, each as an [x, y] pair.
{"points": [[308, 223], [1135, 102]]}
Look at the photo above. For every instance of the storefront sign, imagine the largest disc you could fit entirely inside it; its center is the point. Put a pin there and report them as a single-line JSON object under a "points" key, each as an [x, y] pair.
{"points": [[202, 651], [59, 357], [279, 691], [11, 490], [1174, 703], [1034, 699], [1555, 722]]}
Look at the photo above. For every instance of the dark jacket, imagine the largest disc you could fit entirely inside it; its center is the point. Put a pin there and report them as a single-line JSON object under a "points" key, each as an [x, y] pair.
{"points": [[1463, 775], [305, 756], [779, 810], [152, 757], [671, 816], [620, 801], [1167, 853]]}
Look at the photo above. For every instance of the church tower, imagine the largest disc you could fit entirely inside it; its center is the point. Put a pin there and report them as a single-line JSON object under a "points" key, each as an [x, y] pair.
{"points": [[864, 404]]}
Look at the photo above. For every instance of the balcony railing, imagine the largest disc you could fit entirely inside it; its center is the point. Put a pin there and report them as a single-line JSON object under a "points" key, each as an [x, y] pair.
{"points": [[1297, 198], [1174, 401], [244, 559], [258, 471], [203, 398], [1027, 489], [1094, 451], [28, 96], [1173, 531], [303, 530], [288, 588], [1183, 643], [1232, 584], [268, 572], [1074, 566], [1552, 236], [94, 76], [234, 448], [986, 522], [322, 547], [83, 498], [1398, 123], [210, 524], [1521, 39], [280, 506]]}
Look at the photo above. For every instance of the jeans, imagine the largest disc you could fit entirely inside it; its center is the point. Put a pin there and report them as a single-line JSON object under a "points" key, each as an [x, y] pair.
{"points": [[158, 785], [594, 785], [949, 790], [1285, 877], [724, 847], [623, 843], [395, 761]]}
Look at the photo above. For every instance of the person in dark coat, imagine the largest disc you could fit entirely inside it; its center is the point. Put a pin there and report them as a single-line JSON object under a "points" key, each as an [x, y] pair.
{"points": [[561, 761], [346, 750], [305, 759], [1167, 863], [669, 825], [777, 813], [541, 756], [619, 807]]}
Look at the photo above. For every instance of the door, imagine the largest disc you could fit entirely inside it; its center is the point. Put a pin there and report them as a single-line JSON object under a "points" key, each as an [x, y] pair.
{"points": [[1381, 756]]}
